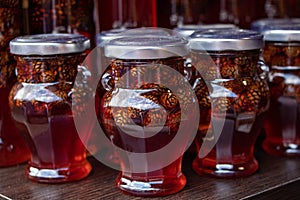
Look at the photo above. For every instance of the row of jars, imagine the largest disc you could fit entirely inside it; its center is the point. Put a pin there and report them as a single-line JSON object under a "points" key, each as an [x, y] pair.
{"points": [[154, 94], [219, 99], [89, 17]]}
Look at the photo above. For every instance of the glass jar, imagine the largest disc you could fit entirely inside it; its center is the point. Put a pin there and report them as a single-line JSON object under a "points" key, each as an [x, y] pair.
{"points": [[236, 100], [146, 108], [41, 105], [282, 54], [60, 16], [13, 149], [105, 36]]}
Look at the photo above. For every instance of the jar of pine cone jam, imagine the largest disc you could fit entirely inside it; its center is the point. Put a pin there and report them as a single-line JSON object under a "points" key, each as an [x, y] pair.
{"points": [[13, 149], [41, 105], [146, 108], [282, 125], [235, 100]]}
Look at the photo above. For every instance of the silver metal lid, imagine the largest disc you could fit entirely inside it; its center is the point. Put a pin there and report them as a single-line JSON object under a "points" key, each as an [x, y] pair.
{"points": [[105, 36], [147, 31], [293, 26], [49, 44], [187, 30], [264, 24], [146, 47], [282, 35], [222, 40]]}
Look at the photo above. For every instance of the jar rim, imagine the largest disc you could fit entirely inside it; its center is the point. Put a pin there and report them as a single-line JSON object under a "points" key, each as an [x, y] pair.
{"points": [[262, 25], [282, 35], [106, 36], [49, 44], [188, 29], [146, 47], [223, 40]]}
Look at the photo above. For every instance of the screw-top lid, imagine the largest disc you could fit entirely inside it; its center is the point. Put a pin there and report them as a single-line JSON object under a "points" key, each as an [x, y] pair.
{"points": [[105, 36], [282, 33], [222, 40], [282, 36], [264, 24], [146, 31], [187, 30], [49, 44], [146, 47]]}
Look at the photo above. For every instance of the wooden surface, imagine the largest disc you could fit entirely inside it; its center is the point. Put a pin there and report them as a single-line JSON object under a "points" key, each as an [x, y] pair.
{"points": [[277, 178]]}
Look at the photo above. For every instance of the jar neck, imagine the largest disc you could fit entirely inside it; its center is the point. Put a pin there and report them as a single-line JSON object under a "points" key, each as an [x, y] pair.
{"points": [[282, 54], [226, 64], [47, 69], [132, 74], [136, 67]]}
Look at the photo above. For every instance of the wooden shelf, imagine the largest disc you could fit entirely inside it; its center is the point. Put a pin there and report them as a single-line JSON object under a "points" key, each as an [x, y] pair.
{"points": [[277, 177]]}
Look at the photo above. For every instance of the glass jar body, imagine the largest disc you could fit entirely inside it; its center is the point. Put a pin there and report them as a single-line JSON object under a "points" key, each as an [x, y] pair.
{"points": [[139, 112], [236, 100], [41, 107], [13, 149], [282, 121]]}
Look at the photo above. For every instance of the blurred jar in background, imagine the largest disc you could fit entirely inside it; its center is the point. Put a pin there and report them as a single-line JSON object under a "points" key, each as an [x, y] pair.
{"points": [[183, 12], [13, 149], [172, 13], [126, 14], [59, 16], [238, 12], [187, 11], [282, 53], [275, 8], [282, 8]]}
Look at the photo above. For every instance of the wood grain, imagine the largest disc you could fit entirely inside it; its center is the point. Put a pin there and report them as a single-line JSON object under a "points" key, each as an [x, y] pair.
{"points": [[276, 177]]}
